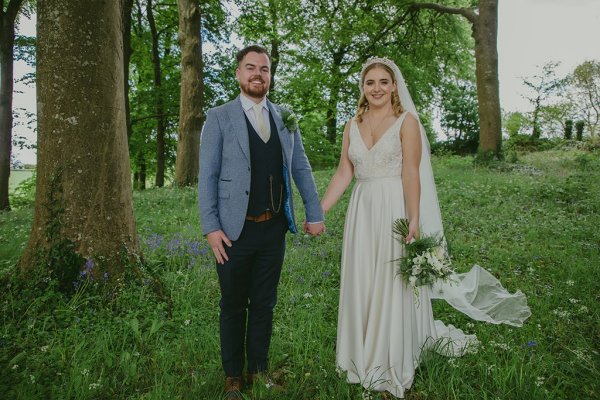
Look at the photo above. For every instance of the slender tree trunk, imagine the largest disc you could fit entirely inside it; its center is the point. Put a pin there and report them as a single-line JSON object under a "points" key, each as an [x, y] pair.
{"points": [[139, 177], [127, 51], [83, 204], [7, 40], [334, 95], [191, 93], [485, 32], [535, 132], [161, 124], [274, 64], [142, 172], [6, 92], [273, 12]]}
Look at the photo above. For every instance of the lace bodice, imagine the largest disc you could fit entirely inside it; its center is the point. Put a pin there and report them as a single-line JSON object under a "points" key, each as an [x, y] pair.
{"points": [[384, 159]]}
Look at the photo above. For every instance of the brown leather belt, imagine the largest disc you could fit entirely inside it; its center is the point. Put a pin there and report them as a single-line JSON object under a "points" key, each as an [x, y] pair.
{"points": [[267, 215]]}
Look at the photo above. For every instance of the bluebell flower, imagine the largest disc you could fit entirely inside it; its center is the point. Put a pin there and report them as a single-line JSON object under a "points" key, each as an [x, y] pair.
{"points": [[89, 266], [173, 245], [154, 241]]}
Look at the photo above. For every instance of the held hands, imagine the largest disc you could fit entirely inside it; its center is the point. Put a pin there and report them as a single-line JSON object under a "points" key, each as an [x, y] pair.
{"points": [[314, 229], [216, 240]]}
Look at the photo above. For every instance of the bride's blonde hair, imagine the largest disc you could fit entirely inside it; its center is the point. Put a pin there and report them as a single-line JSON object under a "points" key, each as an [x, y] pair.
{"points": [[363, 104]]}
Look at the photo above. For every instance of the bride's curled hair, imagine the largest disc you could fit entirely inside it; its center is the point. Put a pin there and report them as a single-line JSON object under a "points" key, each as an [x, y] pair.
{"points": [[363, 104]]}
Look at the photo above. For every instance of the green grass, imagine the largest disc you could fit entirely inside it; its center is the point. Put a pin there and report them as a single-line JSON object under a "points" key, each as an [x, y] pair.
{"points": [[534, 225]]}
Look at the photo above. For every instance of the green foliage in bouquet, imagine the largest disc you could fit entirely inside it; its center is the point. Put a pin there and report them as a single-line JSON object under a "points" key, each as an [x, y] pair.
{"points": [[425, 259]]}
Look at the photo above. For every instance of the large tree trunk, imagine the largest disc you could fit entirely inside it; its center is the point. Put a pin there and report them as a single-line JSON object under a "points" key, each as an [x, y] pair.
{"points": [[7, 40], [127, 51], [485, 32], [161, 123], [192, 93], [83, 204]]}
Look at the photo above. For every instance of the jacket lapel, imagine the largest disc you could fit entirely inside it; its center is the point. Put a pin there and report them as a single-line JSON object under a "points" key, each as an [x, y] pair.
{"points": [[238, 122], [285, 137]]}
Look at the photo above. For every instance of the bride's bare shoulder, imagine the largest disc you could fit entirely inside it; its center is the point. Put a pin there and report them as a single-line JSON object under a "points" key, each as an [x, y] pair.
{"points": [[409, 125]]}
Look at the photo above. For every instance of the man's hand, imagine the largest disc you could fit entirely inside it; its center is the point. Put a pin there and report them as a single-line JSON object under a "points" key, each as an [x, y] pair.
{"points": [[215, 241], [314, 229]]}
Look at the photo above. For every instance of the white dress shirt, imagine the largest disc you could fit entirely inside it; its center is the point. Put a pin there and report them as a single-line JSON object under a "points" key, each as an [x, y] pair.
{"points": [[247, 105]]}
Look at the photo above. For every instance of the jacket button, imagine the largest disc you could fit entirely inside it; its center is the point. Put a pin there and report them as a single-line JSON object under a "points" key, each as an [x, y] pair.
{"points": [[246, 192], [248, 168]]}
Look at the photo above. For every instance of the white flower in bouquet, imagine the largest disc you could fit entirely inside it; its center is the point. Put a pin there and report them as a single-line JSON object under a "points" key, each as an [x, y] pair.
{"points": [[425, 260]]}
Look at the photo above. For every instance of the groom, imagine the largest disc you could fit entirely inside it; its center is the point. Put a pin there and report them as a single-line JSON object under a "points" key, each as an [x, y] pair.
{"points": [[248, 156]]}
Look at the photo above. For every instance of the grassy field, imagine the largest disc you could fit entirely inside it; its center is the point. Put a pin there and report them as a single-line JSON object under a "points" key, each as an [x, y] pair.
{"points": [[534, 224], [17, 176]]}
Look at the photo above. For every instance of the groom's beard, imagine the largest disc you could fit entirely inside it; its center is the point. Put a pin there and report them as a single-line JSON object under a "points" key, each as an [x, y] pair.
{"points": [[253, 90]]}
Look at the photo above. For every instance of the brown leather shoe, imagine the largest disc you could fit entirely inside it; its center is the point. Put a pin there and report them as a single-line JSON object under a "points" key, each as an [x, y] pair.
{"points": [[233, 387], [261, 378]]}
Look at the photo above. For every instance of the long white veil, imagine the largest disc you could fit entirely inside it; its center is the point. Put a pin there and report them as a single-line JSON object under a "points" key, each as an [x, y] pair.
{"points": [[476, 293]]}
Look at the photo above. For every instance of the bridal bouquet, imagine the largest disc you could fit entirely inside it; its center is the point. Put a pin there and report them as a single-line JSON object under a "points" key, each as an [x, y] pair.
{"points": [[425, 259]]}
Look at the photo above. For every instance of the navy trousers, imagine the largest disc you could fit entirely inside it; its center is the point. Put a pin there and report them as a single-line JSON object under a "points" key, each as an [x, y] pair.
{"points": [[248, 283]]}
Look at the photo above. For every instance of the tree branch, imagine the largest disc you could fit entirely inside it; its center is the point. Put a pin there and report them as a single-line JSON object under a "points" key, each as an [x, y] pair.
{"points": [[469, 13], [374, 40], [140, 119]]}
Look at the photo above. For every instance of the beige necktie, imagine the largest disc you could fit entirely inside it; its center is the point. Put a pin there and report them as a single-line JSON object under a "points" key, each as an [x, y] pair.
{"points": [[263, 132]]}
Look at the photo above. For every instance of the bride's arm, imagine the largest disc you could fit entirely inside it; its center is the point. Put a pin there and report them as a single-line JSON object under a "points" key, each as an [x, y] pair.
{"points": [[410, 136], [342, 177]]}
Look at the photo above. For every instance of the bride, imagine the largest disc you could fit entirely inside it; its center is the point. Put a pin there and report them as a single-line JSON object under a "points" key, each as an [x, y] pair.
{"points": [[383, 326]]}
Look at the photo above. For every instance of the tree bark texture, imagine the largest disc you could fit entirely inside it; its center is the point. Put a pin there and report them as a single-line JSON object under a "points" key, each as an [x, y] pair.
{"points": [[83, 187], [485, 32], [191, 101], [127, 51], [7, 40], [161, 123]]}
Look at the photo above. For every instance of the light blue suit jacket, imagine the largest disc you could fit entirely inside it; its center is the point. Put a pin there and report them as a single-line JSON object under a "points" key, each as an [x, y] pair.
{"points": [[224, 178]]}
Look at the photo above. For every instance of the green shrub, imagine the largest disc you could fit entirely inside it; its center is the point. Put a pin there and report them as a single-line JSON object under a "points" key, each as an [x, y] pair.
{"points": [[24, 194]]}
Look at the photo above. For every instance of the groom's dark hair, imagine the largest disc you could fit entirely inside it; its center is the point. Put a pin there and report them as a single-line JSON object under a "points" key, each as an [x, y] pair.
{"points": [[252, 48]]}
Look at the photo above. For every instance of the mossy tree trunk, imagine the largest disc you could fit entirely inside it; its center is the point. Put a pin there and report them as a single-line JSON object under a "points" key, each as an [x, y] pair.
{"points": [[127, 52], [191, 92], [83, 204]]}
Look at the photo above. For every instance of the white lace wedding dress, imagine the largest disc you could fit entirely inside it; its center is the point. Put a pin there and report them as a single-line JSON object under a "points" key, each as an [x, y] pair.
{"points": [[382, 327]]}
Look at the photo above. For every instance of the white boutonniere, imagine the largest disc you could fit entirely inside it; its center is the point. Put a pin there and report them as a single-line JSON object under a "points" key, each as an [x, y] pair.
{"points": [[290, 120]]}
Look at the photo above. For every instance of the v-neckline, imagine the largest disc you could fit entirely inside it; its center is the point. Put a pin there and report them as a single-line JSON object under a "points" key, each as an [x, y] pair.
{"points": [[380, 137]]}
